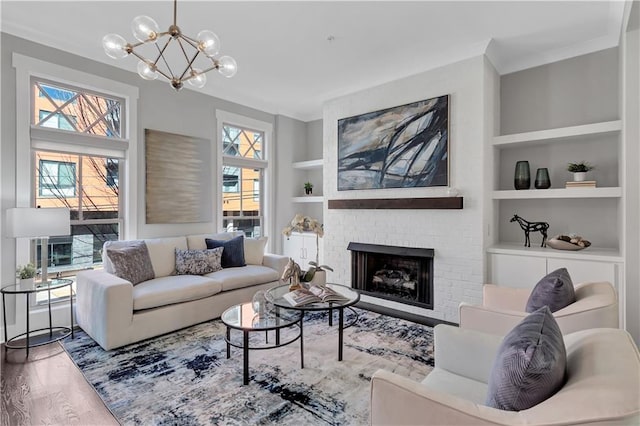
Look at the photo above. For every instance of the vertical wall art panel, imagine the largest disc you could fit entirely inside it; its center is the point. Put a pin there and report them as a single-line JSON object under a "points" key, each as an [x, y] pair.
{"points": [[399, 147], [178, 178]]}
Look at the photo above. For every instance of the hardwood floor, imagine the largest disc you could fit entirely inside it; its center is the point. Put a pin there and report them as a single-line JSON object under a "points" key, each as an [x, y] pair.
{"points": [[47, 388]]}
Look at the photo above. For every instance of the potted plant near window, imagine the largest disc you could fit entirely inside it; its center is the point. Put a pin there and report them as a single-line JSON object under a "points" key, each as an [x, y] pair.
{"points": [[27, 274], [308, 188], [579, 170]]}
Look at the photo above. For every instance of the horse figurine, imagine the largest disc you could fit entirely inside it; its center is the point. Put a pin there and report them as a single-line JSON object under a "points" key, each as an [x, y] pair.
{"points": [[292, 273], [531, 227]]}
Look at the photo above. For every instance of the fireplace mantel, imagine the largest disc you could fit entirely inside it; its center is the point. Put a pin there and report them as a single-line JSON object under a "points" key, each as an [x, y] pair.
{"points": [[397, 203]]}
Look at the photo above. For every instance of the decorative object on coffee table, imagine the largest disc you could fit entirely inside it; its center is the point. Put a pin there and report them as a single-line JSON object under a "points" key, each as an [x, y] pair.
{"points": [[316, 274], [292, 273], [308, 188], [542, 179], [571, 242], [579, 170], [522, 176], [528, 227]]}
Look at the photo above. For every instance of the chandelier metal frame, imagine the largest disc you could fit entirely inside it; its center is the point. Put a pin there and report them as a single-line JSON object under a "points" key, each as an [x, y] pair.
{"points": [[146, 31]]}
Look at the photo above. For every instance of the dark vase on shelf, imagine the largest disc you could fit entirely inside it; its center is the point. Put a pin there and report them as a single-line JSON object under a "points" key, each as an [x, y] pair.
{"points": [[542, 179], [522, 177]]}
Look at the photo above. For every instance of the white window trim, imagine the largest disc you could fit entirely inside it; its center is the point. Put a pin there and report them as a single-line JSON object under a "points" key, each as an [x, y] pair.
{"points": [[28, 67], [268, 211]]}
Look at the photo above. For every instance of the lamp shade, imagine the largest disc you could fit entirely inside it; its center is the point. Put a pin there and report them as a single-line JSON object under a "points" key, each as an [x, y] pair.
{"points": [[35, 223]]}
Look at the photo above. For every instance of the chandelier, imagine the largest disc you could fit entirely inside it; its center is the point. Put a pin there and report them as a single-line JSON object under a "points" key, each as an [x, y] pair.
{"points": [[204, 47]]}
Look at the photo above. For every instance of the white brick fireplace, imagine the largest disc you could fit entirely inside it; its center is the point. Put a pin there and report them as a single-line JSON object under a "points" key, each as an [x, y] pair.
{"points": [[455, 235]]}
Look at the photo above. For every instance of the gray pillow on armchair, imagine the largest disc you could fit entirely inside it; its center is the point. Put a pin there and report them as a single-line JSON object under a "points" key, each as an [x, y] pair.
{"points": [[554, 290]]}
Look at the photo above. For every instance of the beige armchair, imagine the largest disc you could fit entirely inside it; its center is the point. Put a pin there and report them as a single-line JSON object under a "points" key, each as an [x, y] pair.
{"points": [[502, 308], [602, 388]]}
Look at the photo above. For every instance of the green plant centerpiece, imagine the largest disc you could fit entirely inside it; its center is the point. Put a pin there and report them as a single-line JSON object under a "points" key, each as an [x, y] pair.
{"points": [[301, 223], [27, 271], [581, 167]]}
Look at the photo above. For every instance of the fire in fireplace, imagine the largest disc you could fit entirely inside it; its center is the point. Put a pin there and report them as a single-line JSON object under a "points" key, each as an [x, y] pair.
{"points": [[401, 274]]}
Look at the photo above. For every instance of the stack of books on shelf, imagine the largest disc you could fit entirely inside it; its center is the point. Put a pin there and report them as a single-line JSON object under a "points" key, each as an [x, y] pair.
{"points": [[583, 184]]}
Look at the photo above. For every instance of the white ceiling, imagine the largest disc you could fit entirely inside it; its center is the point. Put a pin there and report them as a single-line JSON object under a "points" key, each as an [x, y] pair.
{"points": [[286, 65]]}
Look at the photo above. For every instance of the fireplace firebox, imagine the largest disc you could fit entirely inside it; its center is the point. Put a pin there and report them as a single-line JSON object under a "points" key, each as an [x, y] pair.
{"points": [[400, 274]]}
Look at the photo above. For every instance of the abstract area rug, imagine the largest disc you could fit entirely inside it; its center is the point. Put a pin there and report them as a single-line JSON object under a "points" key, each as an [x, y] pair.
{"points": [[184, 378]]}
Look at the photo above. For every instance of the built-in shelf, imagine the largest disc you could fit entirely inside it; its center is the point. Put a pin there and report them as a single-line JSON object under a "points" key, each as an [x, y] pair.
{"points": [[552, 135], [590, 253], [308, 165], [528, 194], [308, 199]]}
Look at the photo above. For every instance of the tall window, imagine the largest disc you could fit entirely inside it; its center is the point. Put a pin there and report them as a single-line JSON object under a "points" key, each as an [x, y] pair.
{"points": [[242, 179], [72, 175]]}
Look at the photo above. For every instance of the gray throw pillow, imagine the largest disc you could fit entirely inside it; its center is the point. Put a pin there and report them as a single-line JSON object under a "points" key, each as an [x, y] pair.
{"points": [[233, 253], [132, 263], [198, 262], [530, 365], [555, 290]]}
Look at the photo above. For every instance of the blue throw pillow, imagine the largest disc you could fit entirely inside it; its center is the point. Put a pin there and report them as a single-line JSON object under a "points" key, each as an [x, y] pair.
{"points": [[530, 365], [232, 253], [555, 290]]}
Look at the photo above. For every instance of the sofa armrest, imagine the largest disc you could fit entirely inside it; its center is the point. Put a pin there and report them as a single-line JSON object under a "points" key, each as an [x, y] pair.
{"points": [[275, 261], [508, 298], [397, 400], [466, 353], [488, 320], [104, 305]]}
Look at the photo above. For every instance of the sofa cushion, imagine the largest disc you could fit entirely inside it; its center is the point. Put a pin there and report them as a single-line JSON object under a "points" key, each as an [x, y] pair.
{"points": [[163, 254], [530, 365], [132, 263], [233, 253], [118, 244], [254, 250], [198, 262], [196, 242], [554, 290], [174, 289], [246, 276]]}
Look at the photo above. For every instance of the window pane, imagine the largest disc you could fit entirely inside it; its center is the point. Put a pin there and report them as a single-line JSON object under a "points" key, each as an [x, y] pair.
{"points": [[241, 142], [88, 112], [250, 226], [230, 179], [57, 177]]}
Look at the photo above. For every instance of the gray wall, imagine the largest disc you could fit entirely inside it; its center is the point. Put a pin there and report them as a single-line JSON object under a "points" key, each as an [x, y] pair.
{"points": [[574, 91], [159, 107]]}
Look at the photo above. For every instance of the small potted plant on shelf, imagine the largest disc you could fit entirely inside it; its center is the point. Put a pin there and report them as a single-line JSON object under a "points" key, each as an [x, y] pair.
{"points": [[308, 188], [579, 170], [27, 274]]}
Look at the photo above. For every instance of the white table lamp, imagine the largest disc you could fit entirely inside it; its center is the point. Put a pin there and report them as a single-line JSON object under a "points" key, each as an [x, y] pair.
{"points": [[28, 222]]}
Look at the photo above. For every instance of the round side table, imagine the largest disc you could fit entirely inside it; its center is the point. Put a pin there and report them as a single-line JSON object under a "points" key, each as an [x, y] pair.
{"points": [[54, 333]]}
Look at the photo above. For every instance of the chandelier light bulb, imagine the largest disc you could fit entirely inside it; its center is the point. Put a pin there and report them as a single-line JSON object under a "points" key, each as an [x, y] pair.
{"points": [[198, 79], [146, 71], [145, 28], [227, 66], [114, 46], [208, 43]]}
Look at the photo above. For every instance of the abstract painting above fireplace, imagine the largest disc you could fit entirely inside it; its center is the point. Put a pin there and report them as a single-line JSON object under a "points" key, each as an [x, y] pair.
{"points": [[399, 274]]}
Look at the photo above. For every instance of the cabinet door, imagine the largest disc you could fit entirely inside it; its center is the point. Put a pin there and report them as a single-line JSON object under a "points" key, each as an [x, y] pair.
{"points": [[584, 270], [293, 247], [516, 271]]}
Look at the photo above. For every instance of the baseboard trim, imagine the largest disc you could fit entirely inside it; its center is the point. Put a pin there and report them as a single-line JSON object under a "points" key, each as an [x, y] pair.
{"points": [[432, 322]]}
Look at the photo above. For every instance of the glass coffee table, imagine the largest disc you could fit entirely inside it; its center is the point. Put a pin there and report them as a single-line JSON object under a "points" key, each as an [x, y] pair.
{"points": [[276, 296], [245, 318]]}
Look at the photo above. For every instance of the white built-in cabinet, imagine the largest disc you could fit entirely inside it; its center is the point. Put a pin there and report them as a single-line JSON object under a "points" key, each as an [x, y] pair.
{"points": [[302, 248], [590, 211]]}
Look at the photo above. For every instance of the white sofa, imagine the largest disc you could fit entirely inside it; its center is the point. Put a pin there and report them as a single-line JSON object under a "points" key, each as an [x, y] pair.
{"points": [[602, 388], [115, 313]]}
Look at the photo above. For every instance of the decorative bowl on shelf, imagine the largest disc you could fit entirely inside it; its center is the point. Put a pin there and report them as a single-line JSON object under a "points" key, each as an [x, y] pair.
{"points": [[568, 242]]}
